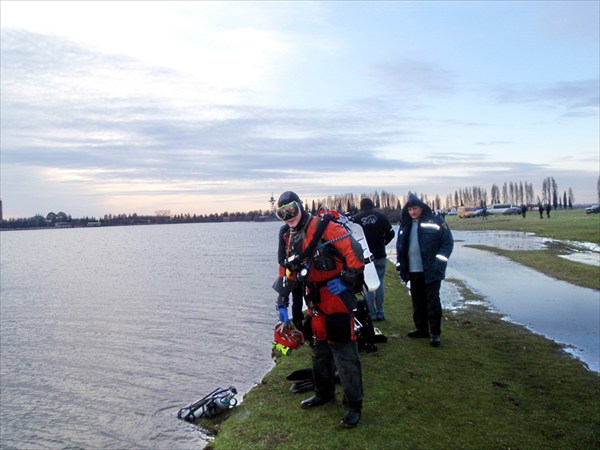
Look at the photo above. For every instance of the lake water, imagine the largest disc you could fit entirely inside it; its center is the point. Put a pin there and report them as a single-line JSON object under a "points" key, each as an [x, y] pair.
{"points": [[106, 332]]}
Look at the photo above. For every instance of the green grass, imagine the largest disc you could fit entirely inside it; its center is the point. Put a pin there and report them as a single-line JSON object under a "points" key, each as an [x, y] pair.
{"points": [[574, 225], [491, 385], [569, 225]]}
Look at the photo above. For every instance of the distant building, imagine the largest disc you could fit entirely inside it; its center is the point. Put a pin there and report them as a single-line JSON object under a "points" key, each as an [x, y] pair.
{"points": [[63, 225]]}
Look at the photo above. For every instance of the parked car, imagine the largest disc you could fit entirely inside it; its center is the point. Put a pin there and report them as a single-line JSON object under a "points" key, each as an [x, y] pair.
{"points": [[592, 209], [512, 210], [464, 212]]}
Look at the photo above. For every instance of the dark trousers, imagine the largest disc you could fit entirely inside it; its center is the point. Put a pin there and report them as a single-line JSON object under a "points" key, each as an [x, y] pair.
{"points": [[297, 306], [427, 308], [327, 356]]}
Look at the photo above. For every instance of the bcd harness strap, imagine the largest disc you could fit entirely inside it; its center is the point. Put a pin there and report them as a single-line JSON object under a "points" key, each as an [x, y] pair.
{"points": [[310, 249]]}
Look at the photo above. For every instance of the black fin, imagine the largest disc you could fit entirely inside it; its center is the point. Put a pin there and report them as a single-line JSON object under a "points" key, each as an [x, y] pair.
{"points": [[302, 386], [302, 374]]}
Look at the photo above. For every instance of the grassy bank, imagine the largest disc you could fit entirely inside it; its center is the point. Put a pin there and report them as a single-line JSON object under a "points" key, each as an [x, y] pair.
{"points": [[568, 225], [490, 385], [573, 225]]}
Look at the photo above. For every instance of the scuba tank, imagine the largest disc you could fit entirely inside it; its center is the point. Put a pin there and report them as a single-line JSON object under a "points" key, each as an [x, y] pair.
{"points": [[210, 405], [370, 273]]}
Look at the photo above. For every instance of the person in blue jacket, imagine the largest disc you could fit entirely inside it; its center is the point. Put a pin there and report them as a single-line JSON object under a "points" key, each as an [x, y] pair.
{"points": [[423, 246]]}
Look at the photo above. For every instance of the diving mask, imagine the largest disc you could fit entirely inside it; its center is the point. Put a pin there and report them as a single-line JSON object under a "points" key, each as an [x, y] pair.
{"points": [[288, 211]]}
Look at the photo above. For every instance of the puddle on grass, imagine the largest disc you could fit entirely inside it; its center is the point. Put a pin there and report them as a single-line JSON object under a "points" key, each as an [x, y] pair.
{"points": [[506, 240], [563, 312], [583, 252], [592, 259]]}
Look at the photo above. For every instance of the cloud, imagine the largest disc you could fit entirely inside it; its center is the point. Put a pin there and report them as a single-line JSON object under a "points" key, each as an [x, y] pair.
{"points": [[198, 100], [111, 122], [573, 98]]}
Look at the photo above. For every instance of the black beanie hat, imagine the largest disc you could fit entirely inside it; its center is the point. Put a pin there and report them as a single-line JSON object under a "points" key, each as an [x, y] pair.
{"points": [[366, 203]]}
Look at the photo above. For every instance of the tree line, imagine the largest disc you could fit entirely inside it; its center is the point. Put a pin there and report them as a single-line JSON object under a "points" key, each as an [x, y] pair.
{"points": [[517, 193], [53, 220]]}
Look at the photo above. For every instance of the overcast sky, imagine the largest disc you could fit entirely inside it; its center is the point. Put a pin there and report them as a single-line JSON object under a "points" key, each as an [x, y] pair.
{"points": [[202, 107]]}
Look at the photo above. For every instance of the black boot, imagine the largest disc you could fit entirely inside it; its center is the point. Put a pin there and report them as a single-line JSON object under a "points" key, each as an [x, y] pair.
{"points": [[350, 419]]}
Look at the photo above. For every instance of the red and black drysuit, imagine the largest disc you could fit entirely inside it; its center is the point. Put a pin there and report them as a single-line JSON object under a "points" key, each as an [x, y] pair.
{"points": [[331, 315]]}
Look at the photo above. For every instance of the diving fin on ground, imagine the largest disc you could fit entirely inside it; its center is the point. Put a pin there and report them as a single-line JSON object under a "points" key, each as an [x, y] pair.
{"points": [[302, 374], [302, 386]]}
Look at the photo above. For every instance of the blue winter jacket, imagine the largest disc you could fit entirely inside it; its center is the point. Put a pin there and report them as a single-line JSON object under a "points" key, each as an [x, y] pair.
{"points": [[435, 240]]}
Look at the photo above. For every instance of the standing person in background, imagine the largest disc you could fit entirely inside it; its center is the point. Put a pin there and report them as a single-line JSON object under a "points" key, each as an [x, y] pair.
{"points": [[423, 247], [541, 210], [378, 233], [329, 275], [548, 209]]}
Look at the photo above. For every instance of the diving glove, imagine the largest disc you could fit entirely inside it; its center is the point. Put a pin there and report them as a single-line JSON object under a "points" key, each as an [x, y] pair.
{"points": [[283, 314], [336, 286]]}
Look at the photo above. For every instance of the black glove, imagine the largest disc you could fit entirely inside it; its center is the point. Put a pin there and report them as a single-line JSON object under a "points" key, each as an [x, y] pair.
{"points": [[349, 278], [282, 301], [282, 287]]}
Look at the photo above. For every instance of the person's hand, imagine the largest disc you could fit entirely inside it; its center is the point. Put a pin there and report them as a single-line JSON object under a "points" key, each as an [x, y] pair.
{"points": [[403, 275], [283, 314], [335, 286]]}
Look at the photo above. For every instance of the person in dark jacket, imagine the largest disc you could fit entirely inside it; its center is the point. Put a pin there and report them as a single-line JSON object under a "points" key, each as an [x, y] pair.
{"points": [[424, 245], [378, 233]]}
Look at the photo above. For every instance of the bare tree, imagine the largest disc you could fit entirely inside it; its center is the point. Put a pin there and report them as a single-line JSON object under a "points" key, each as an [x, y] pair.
{"points": [[571, 198], [495, 193]]}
